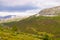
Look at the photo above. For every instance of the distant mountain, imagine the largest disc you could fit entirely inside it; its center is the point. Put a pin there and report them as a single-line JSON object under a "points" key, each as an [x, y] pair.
{"points": [[1, 17], [8, 16], [50, 11]]}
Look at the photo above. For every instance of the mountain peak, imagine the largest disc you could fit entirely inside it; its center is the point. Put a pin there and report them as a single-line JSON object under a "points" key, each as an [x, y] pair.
{"points": [[50, 11]]}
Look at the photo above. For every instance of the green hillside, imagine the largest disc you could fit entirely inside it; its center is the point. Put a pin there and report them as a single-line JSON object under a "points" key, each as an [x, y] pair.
{"points": [[33, 24], [11, 34]]}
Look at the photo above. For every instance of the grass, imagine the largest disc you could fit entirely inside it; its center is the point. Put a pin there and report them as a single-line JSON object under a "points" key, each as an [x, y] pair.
{"points": [[8, 34]]}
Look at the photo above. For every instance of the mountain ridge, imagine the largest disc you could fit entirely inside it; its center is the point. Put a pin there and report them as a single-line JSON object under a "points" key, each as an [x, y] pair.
{"points": [[34, 24], [54, 11]]}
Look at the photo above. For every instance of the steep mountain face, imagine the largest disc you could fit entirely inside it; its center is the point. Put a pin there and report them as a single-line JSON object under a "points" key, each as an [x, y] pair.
{"points": [[50, 11]]}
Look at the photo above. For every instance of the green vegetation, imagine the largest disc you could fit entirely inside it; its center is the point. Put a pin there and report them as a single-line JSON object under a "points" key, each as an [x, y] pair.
{"points": [[34, 25], [9, 34]]}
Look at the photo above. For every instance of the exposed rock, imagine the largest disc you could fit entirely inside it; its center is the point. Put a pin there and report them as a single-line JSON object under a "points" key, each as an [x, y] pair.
{"points": [[50, 11]]}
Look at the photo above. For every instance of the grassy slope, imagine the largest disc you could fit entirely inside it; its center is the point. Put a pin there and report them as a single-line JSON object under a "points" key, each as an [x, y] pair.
{"points": [[10, 34], [6, 34], [38, 24]]}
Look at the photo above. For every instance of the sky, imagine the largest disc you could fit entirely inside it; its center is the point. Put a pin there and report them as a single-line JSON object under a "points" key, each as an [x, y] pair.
{"points": [[25, 7]]}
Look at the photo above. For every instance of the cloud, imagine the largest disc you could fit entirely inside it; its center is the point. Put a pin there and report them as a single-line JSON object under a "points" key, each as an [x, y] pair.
{"points": [[15, 2], [22, 14], [35, 3], [17, 8], [38, 3], [47, 3], [25, 7]]}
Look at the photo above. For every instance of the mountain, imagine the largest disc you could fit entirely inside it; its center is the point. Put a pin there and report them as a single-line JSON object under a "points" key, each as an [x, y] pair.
{"points": [[12, 34], [1, 17], [6, 17], [10, 18], [54, 11], [34, 25]]}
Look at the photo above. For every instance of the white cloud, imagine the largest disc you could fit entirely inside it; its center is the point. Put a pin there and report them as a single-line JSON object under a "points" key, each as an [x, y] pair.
{"points": [[38, 3], [22, 14], [15, 2], [47, 3]]}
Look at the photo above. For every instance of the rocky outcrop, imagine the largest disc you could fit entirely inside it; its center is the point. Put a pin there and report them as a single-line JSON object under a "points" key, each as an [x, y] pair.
{"points": [[50, 11]]}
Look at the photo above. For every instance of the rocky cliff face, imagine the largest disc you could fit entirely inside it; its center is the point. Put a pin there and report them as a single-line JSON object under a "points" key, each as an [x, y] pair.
{"points": [[50, 11]]}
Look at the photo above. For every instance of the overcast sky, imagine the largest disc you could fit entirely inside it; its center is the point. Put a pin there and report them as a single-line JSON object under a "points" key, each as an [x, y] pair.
{"points": [[26, 7]]}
